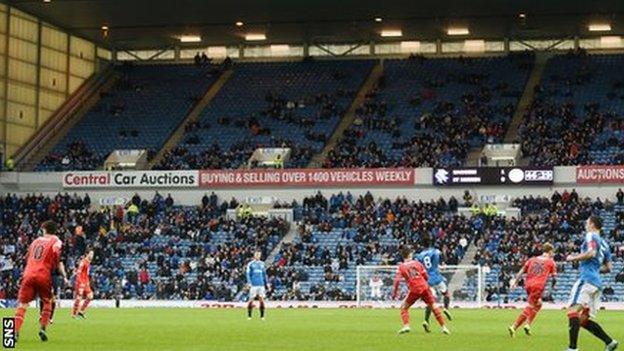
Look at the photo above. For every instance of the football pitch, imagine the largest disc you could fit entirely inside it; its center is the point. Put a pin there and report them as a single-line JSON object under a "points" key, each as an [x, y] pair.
{"points": [[300, 329]]}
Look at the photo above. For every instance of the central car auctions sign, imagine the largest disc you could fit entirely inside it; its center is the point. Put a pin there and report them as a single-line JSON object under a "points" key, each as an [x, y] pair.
{"points": [[226, 178], [131, 179], [307, 177]]}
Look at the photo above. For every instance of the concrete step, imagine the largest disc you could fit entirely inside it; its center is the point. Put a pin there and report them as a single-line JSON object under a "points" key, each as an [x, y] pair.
{"points": [[347, 120], [193, 115]]}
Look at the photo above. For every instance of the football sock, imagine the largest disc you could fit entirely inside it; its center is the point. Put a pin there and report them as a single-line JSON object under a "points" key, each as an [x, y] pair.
{"points": [[574, 325], [427, 313], [405, 316], [76, 305], [249, 309], [533, 313], [598, 332], [85, 304], [19, 318], [45, 314], [522, 318], [438, 316], [447, 301], [261, 309]]}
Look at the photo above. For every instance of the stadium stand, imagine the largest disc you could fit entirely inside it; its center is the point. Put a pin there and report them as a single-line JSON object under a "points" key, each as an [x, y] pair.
{"points": [[157, 249], [282, 104], [124, 117], [150, 249], [559, 220], [579, 101], [341, 232], [431, 112], [423, 112]]}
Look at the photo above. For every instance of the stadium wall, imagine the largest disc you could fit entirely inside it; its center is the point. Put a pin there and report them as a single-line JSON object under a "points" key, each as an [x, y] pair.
{"points": [[40, 67], [188, 187]]}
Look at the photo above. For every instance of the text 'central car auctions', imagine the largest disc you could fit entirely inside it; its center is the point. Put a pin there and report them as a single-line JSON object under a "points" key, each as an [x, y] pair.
{"points": [[493, 176], [128, 179]]}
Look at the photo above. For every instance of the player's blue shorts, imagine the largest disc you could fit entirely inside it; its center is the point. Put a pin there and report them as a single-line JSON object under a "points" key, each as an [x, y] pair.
{"points": [[436, 279]]}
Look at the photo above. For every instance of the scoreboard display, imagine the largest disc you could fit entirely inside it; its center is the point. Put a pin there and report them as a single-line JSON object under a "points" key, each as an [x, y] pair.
{"points": [[493, 176]]}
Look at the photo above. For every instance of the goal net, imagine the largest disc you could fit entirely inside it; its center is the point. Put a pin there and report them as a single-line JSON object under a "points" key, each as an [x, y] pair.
{"points": [[374, 286]]}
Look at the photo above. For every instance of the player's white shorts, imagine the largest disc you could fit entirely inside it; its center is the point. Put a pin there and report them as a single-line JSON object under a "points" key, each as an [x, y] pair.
{"points": [[257, 291], [440, 288], [585, 294], [375, 292]]}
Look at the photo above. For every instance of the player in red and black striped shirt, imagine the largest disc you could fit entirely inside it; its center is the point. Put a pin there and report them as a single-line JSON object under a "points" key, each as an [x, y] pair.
{"points": [[537, 270], [415, 276], [44, 256]]}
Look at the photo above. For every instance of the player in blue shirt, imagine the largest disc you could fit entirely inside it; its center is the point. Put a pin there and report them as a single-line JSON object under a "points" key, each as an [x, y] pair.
{"points": [[594, 259], [256, 283], [431, 259]]}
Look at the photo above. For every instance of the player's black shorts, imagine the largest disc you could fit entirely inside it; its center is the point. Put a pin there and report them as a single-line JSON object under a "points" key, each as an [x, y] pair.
{"points": [[57, 283]]}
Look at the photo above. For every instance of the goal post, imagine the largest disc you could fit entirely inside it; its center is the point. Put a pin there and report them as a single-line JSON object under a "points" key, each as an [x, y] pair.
{"points": [[374, 285]]}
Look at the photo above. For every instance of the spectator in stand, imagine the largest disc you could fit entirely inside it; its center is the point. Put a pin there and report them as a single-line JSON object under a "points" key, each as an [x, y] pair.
{"points": [[76, 156], [9, 164], [608, 292], [169, 201], [468, 200], [484, 160]]}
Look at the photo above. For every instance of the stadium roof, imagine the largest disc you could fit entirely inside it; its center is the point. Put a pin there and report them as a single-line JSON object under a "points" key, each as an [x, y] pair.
{"points": [[137, 24]]}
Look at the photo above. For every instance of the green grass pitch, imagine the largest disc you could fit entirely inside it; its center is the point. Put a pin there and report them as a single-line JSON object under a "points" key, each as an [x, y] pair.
{"points": [[300, 329]]}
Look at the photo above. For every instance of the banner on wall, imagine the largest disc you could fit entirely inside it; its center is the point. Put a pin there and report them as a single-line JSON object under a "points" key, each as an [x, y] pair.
{"points": [[493, 176], [611, 306], [600, 174], [131, 179], [307, 177]]}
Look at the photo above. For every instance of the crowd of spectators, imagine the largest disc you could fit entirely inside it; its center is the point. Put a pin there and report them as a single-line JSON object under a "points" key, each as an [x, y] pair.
{"points": [[75, 156], [214, 157], [420, 151], [553, 135], [311, 114], [372, 231], [156, 249], [446, 127], [146, 249], [574, 112], [277, 108], [561, 127], [508, 242], [138, 112]]}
